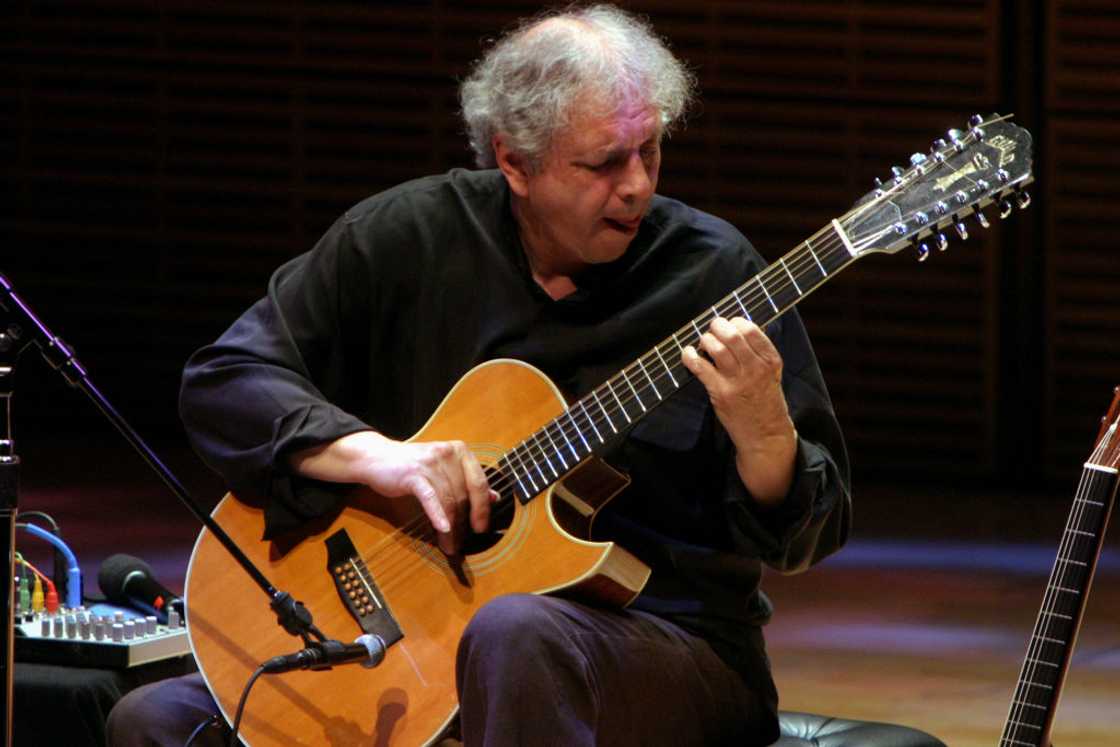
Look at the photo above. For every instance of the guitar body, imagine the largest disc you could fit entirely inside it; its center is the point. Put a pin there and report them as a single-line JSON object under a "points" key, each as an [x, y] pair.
{"points": [[410, 698]]}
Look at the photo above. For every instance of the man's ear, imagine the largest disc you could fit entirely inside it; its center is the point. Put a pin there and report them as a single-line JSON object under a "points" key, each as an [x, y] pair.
{"points": [[513, 166]]}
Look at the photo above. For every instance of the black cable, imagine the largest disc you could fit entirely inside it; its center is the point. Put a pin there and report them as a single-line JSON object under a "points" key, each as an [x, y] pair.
{"points": [[241, 705], [58, 574], [214, 720], [41, 515]]}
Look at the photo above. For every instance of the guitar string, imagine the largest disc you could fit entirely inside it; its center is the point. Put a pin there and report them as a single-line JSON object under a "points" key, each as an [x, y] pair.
{"points": [[806, 259], [1017, 717], [505, 482], [825, 252], [730, 308], [1021, 699], [803, 258]]}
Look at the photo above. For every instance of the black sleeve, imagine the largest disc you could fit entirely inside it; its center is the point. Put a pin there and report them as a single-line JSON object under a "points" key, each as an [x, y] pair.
{"points": [[814, 519], [265, 388]]}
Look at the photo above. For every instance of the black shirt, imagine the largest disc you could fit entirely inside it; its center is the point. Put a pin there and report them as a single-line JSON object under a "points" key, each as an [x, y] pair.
{"points": [[414, 286]]}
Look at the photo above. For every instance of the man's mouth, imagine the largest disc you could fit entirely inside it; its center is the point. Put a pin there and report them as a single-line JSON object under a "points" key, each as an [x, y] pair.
{"points": [[626, 226]]}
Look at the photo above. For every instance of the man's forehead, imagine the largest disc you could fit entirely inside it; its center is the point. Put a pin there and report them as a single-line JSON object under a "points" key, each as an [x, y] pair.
{"points": [[593, 127]]}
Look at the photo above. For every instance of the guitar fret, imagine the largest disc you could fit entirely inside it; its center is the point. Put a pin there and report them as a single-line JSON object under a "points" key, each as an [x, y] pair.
{"points": [[699, 334], [677, 343], [791, 277], [1075, 562], [1048, 639], [592, 421], [1039, 684], [739, 301], [568, 441], [1040, 661], [809, 246], [1086, 500], [509, 468], [635, 391], [758, 280], [667, 369], [1010, 740], [616, 399], [1020, 723], [548, 461], [1029, 705], [1066, 590], [1057, 614], [605, 414], [1083, 534], [528, 472], [654, 386], [555, 449], [579, 433]]}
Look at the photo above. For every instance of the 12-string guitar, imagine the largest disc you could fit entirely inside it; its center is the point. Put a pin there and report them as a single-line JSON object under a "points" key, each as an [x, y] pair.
{"points": [[1063, 604], [374, 568]]}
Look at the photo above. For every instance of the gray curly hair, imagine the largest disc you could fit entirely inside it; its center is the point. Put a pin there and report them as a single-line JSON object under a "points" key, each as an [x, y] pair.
{"points": [[526, 84]]}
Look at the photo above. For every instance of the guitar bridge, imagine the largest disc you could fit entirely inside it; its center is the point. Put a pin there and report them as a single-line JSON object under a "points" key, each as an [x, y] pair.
{"points": [[358, 590]]}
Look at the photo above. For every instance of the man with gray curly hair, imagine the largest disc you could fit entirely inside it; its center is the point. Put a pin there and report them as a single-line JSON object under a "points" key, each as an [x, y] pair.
{"points": [[557, 252]]}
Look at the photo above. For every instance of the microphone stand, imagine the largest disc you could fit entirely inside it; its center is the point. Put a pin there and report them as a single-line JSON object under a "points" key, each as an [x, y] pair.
{"points": [[19, 330]]}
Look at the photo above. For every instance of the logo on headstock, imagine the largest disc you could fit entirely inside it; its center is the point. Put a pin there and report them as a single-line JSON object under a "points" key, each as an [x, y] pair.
{"points": [[1001, 143]]}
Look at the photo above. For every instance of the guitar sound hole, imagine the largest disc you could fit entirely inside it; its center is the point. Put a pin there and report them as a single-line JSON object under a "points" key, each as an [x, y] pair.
{"points": [[500, 517]]}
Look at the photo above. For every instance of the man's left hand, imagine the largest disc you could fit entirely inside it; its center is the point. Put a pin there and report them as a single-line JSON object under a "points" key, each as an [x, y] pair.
{"points": [[743, 376]]}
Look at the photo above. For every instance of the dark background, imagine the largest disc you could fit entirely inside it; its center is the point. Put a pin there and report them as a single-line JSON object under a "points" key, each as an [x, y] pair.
{"points": [[161, 158]]}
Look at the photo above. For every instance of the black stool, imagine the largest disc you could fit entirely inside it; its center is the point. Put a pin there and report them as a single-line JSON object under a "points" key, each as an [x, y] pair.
{"points": [[810, 730]]}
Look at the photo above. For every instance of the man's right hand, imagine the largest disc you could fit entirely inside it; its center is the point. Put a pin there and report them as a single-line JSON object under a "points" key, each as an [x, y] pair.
{"points": [[444, 476]]}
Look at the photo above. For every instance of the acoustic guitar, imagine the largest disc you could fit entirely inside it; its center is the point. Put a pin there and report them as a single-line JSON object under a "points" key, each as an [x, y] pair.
{"points": [[1050, 649], [374, 568]]}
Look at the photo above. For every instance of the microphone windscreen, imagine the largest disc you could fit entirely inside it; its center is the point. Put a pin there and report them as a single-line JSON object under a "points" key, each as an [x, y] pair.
{"points": [[115, 570]]}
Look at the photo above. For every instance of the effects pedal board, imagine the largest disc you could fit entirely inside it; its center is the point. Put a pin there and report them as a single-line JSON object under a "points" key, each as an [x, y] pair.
{"points": [[103, 637]]}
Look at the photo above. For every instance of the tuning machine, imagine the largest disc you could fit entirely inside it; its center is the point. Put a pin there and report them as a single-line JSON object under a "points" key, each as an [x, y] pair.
{"points": [[982, 219], [962, 230], [1023, 199], [923, 251]]}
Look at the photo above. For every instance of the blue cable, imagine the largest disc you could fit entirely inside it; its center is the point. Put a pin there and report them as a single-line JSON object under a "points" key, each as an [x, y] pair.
{"points": [[73, 572]]}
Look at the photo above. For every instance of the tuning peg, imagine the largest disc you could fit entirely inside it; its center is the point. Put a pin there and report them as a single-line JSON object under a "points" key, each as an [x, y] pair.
{"points": [[954, 135], [917, 159], [977, 133], [1003, 176], [1005, 208], [982, 219], [1023, 199], [942, 242], [897, 172], [923, 252], [960, 229], [975, 120], [941, 207]]}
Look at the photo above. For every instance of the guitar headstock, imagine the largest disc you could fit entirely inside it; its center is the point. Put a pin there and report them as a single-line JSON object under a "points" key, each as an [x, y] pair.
{"points": [[1106, 453], [990, 162]]}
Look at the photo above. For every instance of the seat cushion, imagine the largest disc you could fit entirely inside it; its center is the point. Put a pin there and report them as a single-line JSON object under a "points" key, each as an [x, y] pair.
{"points": [[810, 730]]}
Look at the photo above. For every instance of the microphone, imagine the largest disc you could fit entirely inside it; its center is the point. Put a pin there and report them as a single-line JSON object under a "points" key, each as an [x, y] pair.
{"points": [[367, 650], [128, 580]]}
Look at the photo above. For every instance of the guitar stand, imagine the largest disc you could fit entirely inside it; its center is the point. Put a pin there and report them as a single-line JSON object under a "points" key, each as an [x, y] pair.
{"points": [[20, 328]]}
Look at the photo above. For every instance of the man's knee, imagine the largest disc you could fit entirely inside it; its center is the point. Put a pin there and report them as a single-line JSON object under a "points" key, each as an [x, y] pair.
{"points": [[163, 713]]}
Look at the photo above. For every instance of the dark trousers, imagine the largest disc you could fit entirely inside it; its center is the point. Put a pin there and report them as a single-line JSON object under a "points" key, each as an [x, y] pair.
{"points": [[536, 670]]}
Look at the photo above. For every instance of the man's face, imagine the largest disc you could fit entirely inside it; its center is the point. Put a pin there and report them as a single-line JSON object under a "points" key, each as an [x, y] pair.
{"points": [[583, 205]]}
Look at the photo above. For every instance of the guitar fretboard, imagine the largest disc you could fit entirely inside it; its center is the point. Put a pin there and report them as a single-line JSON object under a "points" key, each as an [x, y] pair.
{"points": [[1051, 643], [588, 425]]}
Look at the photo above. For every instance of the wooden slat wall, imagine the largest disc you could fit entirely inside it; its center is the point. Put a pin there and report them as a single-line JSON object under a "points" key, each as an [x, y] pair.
{"points": [[1083, 266], [165, 156]]}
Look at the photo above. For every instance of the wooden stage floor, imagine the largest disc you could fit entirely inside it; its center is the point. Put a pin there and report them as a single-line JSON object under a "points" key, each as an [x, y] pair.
{"points": [[922, 619]]}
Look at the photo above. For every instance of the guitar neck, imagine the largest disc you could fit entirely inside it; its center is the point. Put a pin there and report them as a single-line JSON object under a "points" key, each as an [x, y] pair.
{"points": [[1063, 605], [588, 425]]}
